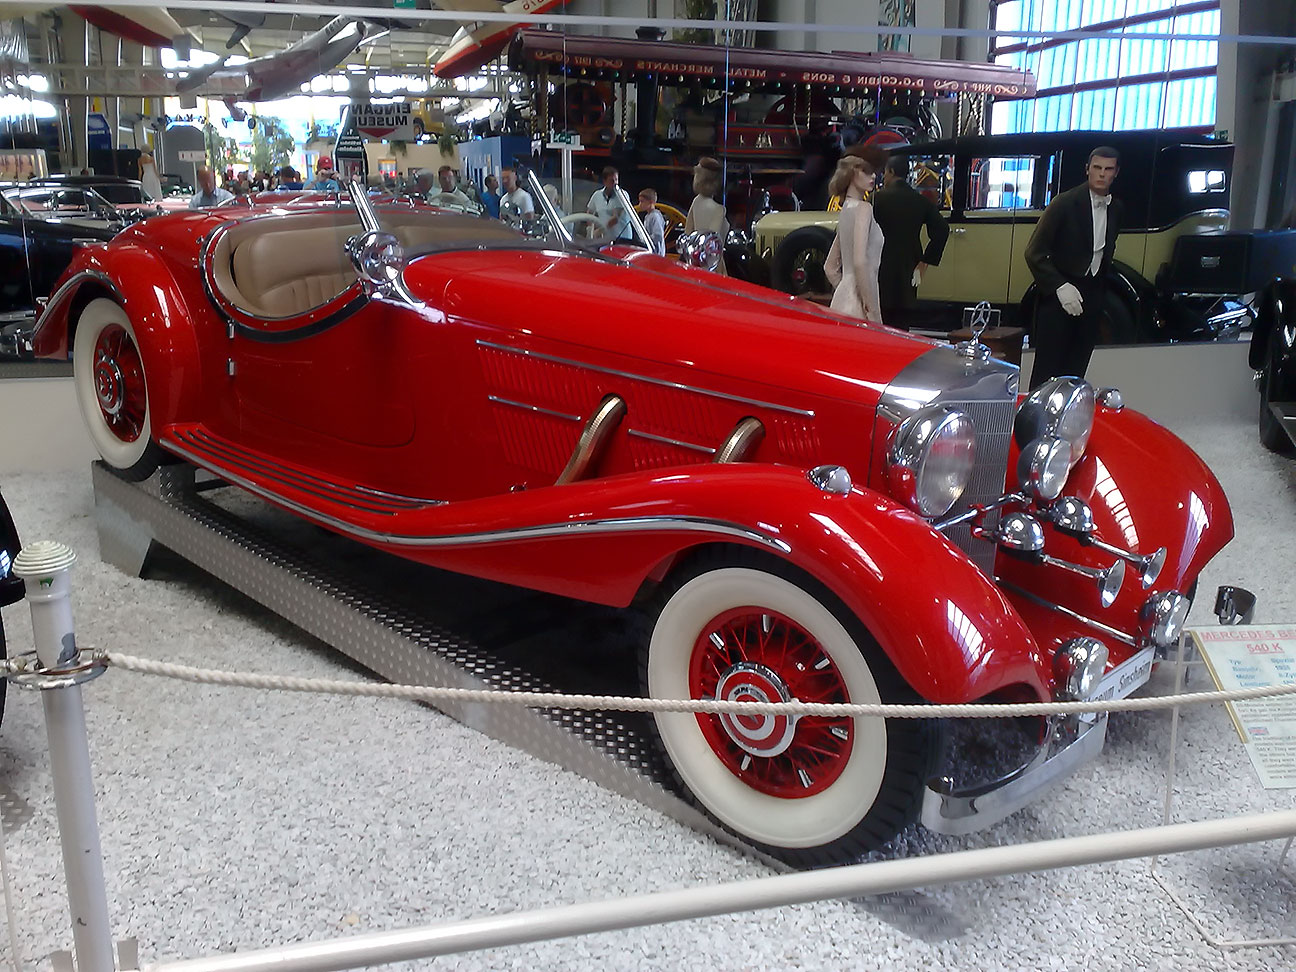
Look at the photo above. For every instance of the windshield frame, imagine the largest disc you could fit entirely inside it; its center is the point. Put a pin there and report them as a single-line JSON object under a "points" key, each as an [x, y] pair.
{"points": [[98, 208]]}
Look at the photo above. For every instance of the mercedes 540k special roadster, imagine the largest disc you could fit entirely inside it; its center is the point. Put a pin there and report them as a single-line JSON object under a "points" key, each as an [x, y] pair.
{"points": [[818, 509]]}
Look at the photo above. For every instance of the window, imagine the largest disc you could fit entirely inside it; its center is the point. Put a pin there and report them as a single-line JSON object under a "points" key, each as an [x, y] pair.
{"points": [[1002, 183], [933, 177], [1109, 83], [1206, 180]]}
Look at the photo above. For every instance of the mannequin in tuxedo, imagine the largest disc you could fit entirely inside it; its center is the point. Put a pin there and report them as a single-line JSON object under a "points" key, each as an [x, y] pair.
{"points": [[1070, 256]]}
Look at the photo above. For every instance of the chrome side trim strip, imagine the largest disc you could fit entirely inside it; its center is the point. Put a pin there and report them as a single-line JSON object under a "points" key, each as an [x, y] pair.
{"points": [[70, 285], [1106, 629], [417, 500], [675, 442], [646, 524], [807, 413], [532, 408]]}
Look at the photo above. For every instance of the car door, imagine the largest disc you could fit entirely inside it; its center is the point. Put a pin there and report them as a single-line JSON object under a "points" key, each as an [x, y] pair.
{"points": [[1005, 197]]}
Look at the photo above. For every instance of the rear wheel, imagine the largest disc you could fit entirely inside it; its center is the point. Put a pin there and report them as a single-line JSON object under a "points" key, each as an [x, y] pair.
{"points": [[798, 264], [810, 790], [108, 372]]}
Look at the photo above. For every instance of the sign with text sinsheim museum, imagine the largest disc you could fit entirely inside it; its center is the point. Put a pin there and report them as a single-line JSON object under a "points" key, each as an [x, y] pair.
{"points": [[393, 120]]}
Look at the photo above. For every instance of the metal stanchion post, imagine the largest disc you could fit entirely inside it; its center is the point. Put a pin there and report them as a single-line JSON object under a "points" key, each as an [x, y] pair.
{"points": [[45, 566]]}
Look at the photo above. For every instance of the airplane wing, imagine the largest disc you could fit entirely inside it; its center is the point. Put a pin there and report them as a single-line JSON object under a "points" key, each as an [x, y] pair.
{"points": [[475, 44], [152, 27]]}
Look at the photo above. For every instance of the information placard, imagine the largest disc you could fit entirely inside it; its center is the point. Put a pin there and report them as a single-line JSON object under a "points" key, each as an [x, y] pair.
{"points": [[1250, 657]]}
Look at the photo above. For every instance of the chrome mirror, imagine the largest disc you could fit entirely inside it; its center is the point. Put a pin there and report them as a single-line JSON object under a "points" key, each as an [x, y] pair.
{"points": [[701, 249]]}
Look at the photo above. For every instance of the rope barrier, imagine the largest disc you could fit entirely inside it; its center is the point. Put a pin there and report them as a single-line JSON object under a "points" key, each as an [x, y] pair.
{"points": [[619, 703]]}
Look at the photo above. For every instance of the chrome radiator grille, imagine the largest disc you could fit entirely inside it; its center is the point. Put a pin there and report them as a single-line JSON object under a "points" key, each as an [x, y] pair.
{"points": [[994, 427]]}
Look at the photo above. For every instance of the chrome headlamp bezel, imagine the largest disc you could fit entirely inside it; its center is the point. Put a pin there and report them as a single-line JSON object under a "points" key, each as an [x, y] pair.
{"points": [[910, 473], [1078, 668], [1042, 468], [1061, 408], [1162, 618]]}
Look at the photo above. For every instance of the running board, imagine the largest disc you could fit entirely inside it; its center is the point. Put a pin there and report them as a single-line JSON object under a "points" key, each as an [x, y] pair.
{"points": [[1285, 413], [263, 474]]}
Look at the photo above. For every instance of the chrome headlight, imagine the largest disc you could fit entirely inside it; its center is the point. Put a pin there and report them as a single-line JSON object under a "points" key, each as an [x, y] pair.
{"points": [[1061, 407], [1162, 617], [930, 459], [701, 250], [1042, 468]]}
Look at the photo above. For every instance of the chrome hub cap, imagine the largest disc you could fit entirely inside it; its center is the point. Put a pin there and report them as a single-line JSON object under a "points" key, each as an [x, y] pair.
{"points": [[109, 387], [760, 735]]}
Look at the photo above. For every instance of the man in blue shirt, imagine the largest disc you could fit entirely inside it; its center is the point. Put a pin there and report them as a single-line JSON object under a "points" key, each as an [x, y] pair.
{"points": [[490, 198]]}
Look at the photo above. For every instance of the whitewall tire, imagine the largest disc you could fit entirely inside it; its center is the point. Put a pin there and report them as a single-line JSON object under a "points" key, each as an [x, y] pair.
{"points": [[112, 389], [809, 790]]}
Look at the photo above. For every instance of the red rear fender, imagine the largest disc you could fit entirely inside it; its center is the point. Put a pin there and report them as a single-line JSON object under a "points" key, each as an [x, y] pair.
{"points": [[139, 281]]}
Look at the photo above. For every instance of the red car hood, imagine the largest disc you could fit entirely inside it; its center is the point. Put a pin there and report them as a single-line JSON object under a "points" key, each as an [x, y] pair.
{"points": [[656, 311]]}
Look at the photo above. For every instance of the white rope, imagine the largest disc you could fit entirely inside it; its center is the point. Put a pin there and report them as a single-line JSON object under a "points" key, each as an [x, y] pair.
{"points": [[619, 703]]}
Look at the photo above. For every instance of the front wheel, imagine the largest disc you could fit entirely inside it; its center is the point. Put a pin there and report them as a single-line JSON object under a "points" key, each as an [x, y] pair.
{"points": [[810, 790], [112, 391], [798, 263]]}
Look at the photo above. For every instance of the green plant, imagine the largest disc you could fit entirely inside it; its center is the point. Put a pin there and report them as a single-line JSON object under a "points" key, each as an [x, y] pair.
{"points": [[446, 144], [695, 10], [272, 144]]}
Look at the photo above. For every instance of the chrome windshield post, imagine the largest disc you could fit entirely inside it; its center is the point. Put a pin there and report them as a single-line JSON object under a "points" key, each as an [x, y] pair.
{"points": [[360, 199], [557, 227], [632, 214]]}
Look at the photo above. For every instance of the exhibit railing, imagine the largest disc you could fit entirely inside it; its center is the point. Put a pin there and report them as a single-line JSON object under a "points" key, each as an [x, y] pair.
{"points": [[58, 669]]}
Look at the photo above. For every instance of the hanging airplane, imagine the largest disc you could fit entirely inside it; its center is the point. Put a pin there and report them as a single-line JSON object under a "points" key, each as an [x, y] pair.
{"points": [[283, 73], [477, 43]]}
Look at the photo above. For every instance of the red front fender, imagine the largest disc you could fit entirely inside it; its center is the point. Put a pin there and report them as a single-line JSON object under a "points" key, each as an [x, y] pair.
{"points": [[143, 285], [950, 632]]}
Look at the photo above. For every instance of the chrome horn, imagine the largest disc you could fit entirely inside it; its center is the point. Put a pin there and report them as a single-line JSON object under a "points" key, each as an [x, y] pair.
{"points": [[1073, 516], [1021, 534]]}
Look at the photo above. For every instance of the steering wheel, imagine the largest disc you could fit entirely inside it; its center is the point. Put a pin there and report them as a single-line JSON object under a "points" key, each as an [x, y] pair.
{"points": [[584, 225]]}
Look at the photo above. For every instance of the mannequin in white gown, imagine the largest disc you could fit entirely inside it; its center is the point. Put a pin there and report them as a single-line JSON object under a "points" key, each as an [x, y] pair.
{"points": [[856, 254]]}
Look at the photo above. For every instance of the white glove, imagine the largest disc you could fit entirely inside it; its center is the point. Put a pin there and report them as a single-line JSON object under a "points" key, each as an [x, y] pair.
{"points": [[917, 278], [1069, 297]]}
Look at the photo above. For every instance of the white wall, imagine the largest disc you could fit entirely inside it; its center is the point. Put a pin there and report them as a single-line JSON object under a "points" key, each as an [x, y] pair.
{"points": [[42, 429]]}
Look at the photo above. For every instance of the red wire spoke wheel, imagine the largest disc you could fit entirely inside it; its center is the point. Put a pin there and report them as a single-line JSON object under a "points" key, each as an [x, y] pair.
{"points": [[112, 389], [811, 790], [750, 655]]}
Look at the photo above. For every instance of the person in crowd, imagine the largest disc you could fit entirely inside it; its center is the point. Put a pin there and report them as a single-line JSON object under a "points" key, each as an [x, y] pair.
{"points": [[605, 205], [491, 198], [448, 188], [516, 204], [148, 175], [289, 179], [1069, 255], [856, 253], [208, 194], [325, 178], [902, 212], [551, 193], [705, 215], [654, 222]]}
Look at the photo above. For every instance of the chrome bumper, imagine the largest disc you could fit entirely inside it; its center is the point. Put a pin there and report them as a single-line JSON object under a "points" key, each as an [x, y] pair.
{"points": [[1071, 744]]}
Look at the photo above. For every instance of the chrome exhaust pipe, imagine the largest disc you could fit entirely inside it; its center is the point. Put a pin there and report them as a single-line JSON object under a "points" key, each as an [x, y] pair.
{"points": [[1109, 579]]}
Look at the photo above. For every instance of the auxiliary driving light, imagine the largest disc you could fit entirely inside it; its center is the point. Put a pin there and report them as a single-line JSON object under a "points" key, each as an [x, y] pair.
{"points": [[1162, 617], [1078, 667]]}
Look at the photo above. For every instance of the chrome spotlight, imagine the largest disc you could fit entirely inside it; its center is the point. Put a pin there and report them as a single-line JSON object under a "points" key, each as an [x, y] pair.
{"points": [[701, 250], [1073, 516], [1042, 468], [1161, 619], [1078, 668], [1061, 407]]}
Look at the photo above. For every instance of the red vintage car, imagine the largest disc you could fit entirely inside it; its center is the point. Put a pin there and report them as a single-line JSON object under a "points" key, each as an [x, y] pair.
{"points": [[818, 509]]}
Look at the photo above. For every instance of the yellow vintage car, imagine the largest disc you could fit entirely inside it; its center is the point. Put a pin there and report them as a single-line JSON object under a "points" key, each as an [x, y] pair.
{"points": [[993, 189]]}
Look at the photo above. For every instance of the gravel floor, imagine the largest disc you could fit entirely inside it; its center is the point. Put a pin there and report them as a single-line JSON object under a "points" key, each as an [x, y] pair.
{"points": [[233, 819]]}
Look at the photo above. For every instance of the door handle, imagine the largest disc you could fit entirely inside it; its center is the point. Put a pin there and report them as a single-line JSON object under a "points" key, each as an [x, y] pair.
{"points": [[958, 231]]}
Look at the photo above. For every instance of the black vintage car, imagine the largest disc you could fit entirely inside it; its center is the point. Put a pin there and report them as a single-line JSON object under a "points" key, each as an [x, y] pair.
{"points": [[993, 189], [1273, 355], [41, 225]]}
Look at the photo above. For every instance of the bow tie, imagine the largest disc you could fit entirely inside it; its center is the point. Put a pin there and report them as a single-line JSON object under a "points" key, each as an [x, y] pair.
{"points": [[1100, 201]]}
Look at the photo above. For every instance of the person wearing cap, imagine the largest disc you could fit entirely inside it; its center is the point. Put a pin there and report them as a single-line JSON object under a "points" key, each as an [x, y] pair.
{"points": [[325, 179]]}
